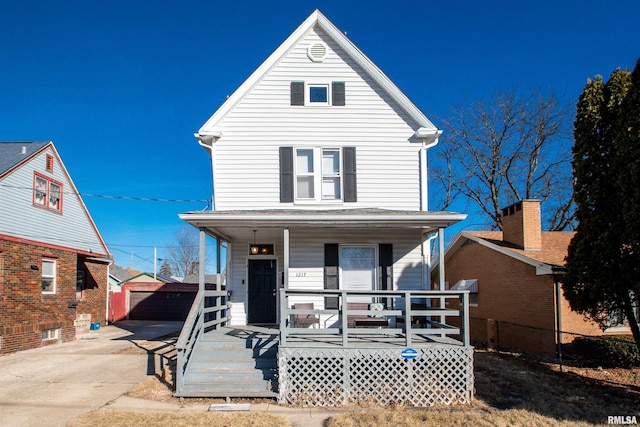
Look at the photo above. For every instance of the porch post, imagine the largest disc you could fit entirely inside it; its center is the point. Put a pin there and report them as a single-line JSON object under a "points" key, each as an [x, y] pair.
{"points": [[201, 262], [286, 258], [218, 269], [441, 259], [441, 271]]}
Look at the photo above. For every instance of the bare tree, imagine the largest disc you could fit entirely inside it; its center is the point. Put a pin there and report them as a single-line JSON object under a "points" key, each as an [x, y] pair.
{"points": [[184, 255], [505, 149]]}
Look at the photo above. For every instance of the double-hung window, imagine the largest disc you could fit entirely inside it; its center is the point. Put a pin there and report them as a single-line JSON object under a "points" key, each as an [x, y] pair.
{"points": [[47, 193], [318, 174], [48, 276]]}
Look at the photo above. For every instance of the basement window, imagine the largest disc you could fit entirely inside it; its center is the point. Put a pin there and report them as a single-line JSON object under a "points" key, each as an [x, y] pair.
{"points": [[50, 334]]}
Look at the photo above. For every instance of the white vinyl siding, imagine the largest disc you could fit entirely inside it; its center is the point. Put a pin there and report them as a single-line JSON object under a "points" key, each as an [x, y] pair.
{"points": [[22, 218], [306, 269], [264, 120]]}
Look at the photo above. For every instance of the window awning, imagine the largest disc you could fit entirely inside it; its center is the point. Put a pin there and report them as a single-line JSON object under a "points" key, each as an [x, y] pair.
{"points": [[470, 285]]}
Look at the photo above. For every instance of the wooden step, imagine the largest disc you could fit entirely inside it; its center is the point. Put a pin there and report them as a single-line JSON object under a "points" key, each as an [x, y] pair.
{"points": [[232, 363]]}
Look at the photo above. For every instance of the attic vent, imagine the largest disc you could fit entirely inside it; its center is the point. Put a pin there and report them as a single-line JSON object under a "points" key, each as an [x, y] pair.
{"points": [[317, 52]]}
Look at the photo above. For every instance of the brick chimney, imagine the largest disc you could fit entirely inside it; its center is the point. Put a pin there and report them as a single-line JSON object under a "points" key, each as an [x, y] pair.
{"points": [[521, 225]]}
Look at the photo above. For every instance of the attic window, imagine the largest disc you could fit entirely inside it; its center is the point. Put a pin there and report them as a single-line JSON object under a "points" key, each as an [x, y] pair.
{"points": [[317, 52]]}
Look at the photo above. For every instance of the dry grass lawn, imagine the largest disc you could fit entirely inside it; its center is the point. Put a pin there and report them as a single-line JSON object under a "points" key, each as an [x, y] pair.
{"points": [[110, 418], [510, 391]]}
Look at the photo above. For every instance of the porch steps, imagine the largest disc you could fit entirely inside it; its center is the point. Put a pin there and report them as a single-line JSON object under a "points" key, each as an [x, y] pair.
{"points": [[233, 362]]}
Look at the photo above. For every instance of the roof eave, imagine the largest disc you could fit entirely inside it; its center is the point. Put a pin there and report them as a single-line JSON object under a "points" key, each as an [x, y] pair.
{"points": [[436, 220]]}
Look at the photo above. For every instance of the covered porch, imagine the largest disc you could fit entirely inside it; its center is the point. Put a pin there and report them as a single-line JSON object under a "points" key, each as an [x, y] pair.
{"points": [[390, 338]]}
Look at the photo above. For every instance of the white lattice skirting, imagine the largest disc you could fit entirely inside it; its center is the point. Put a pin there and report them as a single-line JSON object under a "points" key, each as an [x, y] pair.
{"points": [[439, 375]]}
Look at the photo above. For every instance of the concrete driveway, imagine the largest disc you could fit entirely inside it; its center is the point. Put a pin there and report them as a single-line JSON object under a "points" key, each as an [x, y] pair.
{"points": [[50, 386]]}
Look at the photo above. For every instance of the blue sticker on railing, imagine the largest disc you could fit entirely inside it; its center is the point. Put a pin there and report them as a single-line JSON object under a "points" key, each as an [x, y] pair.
{"points": [[409, 353]]}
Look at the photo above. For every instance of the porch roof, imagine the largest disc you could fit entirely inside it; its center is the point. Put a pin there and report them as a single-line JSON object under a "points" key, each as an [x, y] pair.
{"points": [[222, 222]]}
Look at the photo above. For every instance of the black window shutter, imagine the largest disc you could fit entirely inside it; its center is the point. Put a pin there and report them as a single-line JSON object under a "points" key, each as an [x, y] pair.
{"points": [[385, 261], [286, 174], [349, 173], [337, 93], [331, 274], [297, 93]]}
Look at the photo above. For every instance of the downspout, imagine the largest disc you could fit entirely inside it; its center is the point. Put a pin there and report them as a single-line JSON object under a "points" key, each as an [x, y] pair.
{"points": [[429, 139], [206, 140], [557, 275], [106, 317]]}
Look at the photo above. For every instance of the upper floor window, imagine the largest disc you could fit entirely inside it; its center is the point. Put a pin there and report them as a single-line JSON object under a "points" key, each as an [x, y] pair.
{"points": [[318, 174], [48, 276], [317, 93], [47, 193], [318, 170]]}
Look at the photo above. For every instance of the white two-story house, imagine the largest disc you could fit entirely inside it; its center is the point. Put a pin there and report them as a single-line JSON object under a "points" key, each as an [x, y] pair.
{"points": [[319, 166]]}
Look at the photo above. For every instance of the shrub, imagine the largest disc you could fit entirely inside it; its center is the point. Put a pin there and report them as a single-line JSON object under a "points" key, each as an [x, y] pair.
{"points": [[609, 352]]}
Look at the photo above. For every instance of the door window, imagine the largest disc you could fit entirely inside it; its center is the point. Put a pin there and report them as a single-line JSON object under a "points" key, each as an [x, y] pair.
{"points": [[358, 269]]}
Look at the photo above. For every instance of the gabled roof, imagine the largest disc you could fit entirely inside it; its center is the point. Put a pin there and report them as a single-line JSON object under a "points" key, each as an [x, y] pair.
{"points": [[119, 273], [317, 19], [159, 278], [548, 260], [13, 154]]}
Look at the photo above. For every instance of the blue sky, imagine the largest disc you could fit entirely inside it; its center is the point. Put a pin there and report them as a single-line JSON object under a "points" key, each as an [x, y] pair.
{"points": [[121, 86]]}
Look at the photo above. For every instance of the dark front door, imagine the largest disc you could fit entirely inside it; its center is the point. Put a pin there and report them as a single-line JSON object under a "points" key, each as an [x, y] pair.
{"points": [[262, 291]]}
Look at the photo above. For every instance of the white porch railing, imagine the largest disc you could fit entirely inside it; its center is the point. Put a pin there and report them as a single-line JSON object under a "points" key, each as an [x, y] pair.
{"points": [[403, 310], [210, 310]]}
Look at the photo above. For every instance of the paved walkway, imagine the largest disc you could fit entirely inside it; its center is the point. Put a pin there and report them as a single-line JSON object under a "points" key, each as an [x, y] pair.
{"points": [[53, 385]]}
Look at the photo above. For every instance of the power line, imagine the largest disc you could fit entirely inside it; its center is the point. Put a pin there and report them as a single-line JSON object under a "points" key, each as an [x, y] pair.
{"points": [[103, 196]]}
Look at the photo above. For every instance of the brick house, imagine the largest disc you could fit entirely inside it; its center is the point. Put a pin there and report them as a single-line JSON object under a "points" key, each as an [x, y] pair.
{"points": [[54, 264], [514, 277]]}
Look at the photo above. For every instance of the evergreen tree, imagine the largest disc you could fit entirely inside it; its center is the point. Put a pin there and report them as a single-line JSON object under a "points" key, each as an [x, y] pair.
{"points": [[165, 269], [602, 278]]}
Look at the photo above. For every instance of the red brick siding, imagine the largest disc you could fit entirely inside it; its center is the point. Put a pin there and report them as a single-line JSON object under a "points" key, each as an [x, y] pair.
{"points": [[94, 295], [510, 292], [25, 311]]}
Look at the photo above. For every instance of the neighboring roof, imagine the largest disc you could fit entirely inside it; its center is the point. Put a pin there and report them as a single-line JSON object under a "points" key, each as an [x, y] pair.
{"points": [[548, 260], [159, 278], [119, 273], [317, 19], [209, 279], [14, 153], [12, 158], [554, 245]]}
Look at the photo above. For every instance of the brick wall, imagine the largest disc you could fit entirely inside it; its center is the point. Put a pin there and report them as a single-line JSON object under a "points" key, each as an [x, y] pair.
{"points": [[94, 294], [25, 311], [521, 224], [521, 303]]}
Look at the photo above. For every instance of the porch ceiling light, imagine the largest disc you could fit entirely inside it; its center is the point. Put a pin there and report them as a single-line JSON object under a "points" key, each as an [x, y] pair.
{"points": [[254, 248]]}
